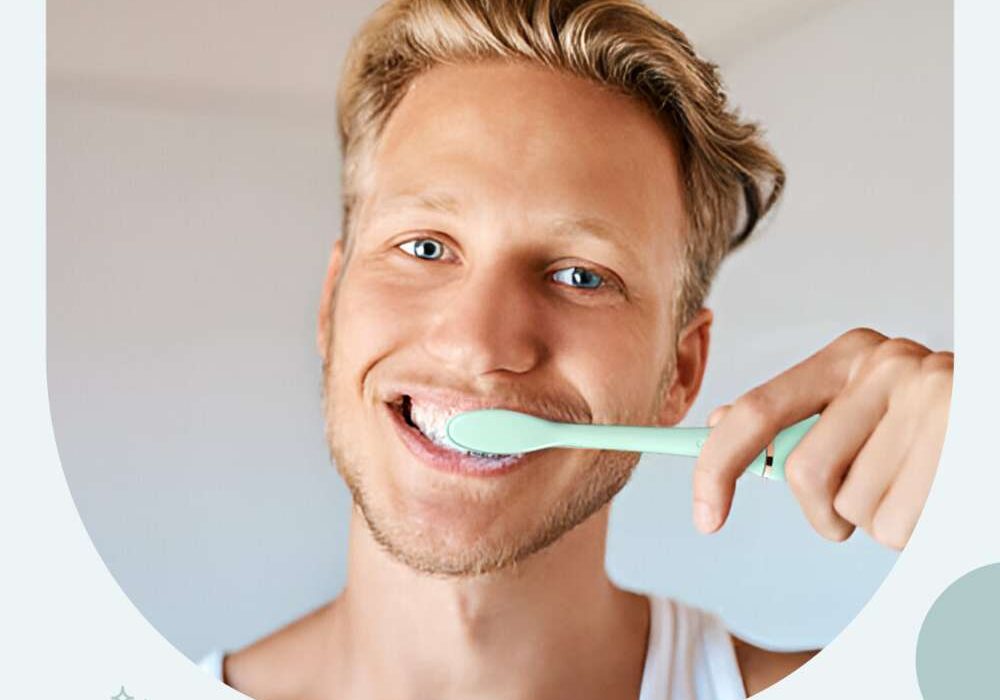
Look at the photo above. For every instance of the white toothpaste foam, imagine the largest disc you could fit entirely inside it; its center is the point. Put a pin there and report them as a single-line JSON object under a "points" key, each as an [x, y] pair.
{"points": [[432, 420]]}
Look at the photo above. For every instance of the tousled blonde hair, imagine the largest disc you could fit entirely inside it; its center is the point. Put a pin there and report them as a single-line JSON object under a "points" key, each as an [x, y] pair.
{"points": [[731, 178]]}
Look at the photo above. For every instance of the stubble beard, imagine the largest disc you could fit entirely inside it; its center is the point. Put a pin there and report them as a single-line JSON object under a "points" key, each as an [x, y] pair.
{"points": [[600, 481]]}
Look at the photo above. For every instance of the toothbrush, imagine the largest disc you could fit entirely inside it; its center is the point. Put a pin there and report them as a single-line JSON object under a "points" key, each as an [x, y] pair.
{"points": [[499, 431]]}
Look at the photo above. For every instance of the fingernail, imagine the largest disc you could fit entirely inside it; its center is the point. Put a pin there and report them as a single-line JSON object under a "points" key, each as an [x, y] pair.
{"points": [[704, 516]]}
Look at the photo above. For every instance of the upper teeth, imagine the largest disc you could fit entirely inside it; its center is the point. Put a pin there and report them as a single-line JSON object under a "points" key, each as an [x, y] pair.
{"points": [[432, 420]]}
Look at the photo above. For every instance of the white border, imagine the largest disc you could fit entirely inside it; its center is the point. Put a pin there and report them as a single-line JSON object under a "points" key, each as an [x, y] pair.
{"points": [[67, 629]]}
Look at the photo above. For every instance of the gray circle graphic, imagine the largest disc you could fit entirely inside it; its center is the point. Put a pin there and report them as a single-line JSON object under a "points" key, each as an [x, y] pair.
{"points": [[958, 650]]}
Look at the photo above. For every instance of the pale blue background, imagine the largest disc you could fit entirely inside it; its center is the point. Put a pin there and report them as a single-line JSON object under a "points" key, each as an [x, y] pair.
{"points": [[192, 200]]}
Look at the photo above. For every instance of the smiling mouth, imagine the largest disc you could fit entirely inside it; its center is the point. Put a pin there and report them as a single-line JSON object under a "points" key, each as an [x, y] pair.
{"points": [[431, 421]]}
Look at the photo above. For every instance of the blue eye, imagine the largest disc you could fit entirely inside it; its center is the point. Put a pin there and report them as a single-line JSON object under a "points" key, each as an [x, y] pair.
{"points": [[579, 277], [423, 248]]}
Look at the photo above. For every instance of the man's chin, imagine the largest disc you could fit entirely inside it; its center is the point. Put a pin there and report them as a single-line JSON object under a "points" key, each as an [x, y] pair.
{"points": [[447, 538], [449, 558], [447, 525]]}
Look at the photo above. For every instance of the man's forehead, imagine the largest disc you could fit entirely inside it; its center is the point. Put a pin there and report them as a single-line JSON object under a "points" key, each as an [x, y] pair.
{"points": [[563, 157], [525, 119]]}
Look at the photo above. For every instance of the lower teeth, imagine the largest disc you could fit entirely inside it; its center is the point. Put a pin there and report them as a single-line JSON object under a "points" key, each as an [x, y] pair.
{"points": [[471, 453]]}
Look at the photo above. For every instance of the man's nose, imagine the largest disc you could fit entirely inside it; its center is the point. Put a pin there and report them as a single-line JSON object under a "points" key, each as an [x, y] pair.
{"points": [[488, 323]]}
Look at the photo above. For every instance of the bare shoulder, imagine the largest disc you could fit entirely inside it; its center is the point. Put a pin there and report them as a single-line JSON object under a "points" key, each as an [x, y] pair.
{"points": [[273, 667], [762, 668]]}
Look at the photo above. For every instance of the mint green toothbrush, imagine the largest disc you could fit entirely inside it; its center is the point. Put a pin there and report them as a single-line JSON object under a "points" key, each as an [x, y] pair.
{"points": [[498, 431]]}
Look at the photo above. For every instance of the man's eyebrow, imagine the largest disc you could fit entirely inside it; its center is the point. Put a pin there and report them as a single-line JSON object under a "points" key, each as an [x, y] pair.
{"points": [[592, 226], [432, 200]]}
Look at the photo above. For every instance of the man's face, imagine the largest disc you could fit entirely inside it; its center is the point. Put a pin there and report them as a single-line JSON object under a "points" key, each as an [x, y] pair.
{"points": [[517, 247]]}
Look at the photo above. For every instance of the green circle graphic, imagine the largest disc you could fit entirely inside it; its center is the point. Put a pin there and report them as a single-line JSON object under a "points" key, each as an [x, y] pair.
{"points": [[958, 650]]}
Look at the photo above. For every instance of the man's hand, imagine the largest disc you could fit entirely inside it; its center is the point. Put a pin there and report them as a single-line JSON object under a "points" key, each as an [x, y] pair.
{"points": [[868, 462]]}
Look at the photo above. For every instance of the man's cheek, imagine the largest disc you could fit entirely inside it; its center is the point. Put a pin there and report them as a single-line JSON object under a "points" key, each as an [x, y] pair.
{"points": [[631, 372], [369, 323], [616, 382]]}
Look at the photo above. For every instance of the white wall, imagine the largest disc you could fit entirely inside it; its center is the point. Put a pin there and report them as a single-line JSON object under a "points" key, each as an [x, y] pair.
{"points": [[857, 102], [188, 232]]}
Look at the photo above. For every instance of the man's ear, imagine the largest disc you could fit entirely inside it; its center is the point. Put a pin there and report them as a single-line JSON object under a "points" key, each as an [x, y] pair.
{"points": [[333, 270], [689, 368]]}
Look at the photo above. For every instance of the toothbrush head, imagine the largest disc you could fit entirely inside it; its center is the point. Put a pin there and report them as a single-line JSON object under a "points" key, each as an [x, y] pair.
{"points": [[499, 431]]}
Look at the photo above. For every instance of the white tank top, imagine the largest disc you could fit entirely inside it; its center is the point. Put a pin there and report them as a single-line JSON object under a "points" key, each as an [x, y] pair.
{"points": [[689, 656]]}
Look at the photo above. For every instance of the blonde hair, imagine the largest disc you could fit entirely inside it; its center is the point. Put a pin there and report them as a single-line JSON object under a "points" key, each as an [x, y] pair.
{"points": [[731, 179]]}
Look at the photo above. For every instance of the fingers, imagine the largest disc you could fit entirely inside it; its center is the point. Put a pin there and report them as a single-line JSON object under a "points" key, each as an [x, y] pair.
{"points": [[900, 507], [739, 433], [746, 427], [870, 459], [876, 465], [897, 514], [819, 468]]}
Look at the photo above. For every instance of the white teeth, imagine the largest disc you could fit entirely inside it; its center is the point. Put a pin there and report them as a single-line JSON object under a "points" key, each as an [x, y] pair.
{"points": [[432, 420]]}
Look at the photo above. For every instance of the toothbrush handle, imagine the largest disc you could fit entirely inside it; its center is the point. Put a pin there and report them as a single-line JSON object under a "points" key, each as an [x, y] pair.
{"points": [[682, 442]]}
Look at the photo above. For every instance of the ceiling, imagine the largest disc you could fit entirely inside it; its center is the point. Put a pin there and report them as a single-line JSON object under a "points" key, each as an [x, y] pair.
{"points": [[262, 46]]}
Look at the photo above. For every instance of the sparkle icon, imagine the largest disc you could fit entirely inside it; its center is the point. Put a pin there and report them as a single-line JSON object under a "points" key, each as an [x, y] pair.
{"points": [[122, 695]]}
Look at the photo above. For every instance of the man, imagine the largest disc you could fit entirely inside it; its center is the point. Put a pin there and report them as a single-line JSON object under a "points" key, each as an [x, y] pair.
{"points": [[537, 195]]}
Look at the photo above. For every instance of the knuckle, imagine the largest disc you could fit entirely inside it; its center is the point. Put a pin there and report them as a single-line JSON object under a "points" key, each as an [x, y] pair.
{"points": [[901, 347], [861, 337], [718, 414], [941, 359], [796, 472], [806, 474], [938, 368], [909, 346], [754, 407], [857, 347], [897, 356]]}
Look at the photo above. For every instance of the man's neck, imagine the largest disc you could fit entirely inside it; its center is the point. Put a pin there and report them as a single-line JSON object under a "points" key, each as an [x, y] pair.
{"points": [[552, 626]]}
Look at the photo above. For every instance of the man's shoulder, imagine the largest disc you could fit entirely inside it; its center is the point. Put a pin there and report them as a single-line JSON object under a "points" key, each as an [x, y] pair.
{"points": [[762, 668], [272, 667]]}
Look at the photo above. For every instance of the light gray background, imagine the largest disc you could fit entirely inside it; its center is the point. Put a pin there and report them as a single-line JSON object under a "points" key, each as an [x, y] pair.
{"points": [[192, 200]]}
